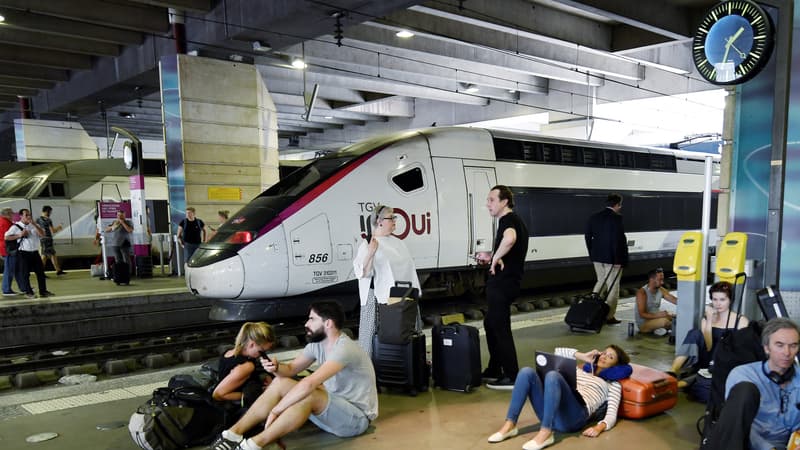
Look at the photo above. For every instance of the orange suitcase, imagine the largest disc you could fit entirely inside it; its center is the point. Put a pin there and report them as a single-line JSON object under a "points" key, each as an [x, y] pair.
{"points": [[647, 392]]}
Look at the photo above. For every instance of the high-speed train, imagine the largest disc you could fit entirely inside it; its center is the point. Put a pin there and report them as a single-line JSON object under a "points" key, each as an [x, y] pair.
{"points": [[298, 238]]}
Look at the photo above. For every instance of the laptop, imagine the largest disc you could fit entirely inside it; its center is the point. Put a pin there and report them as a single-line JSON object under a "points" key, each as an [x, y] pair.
{"points": [[546, 362]]}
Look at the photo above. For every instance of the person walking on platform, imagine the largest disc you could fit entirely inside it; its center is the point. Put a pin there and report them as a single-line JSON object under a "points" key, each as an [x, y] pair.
{"points": [[506, 267], [377, 265], [48, 249], [191, 233], [608, 251], [29, 259], [119, 241], [340, 397], [9, 258]]}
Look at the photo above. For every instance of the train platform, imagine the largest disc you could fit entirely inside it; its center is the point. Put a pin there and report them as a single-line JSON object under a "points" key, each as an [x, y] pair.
{"points": [[85, 307], [95, 415]]}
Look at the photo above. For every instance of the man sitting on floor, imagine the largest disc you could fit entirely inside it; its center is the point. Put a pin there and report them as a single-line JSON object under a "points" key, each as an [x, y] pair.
{"points": [[650, 317], [346, 404]]}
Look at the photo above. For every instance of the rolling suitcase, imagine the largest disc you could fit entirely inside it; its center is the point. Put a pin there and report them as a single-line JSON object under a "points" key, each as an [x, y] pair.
{"points": [[456, 357], [647, 392], [590, 313], [122, 273], [401, 365], [771, 303]]}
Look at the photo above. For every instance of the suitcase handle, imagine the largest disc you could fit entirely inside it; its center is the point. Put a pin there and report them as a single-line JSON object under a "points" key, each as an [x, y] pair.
{"points": [[402, 284]]}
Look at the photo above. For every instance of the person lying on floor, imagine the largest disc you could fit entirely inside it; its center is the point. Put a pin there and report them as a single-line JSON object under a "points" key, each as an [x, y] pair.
{"points": [[558, 407]]}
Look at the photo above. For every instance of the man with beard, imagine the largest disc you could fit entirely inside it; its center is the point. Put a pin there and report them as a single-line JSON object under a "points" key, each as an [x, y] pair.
{"points": [[340, 396]]}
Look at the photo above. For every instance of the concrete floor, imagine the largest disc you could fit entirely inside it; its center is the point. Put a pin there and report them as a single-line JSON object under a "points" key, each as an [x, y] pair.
{"points": [[433, 420]]}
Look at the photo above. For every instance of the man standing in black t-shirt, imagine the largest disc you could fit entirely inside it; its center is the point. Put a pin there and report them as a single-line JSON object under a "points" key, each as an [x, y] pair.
{"points": [[191, 233], [506, 267]]}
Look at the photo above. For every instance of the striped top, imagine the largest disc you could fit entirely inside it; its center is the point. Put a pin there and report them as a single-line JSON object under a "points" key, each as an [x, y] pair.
{"points": [[596, 390]]}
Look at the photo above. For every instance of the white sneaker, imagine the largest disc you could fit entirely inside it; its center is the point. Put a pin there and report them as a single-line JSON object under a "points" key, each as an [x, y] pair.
{"points": [[660, 331]]}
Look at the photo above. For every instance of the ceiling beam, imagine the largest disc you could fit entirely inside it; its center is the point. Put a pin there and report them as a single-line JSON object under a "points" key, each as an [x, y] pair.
{"points": [[144, 18], [303, 129], [23, 83], [51, 42], [671, 21], [185, 5], [45, 58], [24, 92], [33, 73], [62, 27]]}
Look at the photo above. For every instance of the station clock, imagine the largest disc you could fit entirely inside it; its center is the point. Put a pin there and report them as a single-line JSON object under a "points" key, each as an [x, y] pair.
{"points": [[733, 42]]}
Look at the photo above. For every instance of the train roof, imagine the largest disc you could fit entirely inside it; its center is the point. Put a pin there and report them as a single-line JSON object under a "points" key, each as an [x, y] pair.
{"points": [[383, 140]]}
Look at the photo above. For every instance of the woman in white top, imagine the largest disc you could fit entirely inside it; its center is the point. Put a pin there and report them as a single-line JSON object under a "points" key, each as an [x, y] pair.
{"points": [[377, 265], [558, 407]]}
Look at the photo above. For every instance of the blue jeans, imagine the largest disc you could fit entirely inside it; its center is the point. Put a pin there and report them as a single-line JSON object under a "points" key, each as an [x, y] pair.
{"points": [[9, 272], [555, 403], [188, 251]]}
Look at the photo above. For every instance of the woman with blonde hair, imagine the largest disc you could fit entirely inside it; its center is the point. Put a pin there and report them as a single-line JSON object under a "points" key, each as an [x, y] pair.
{"points": [[377, 265], [239, 379]]}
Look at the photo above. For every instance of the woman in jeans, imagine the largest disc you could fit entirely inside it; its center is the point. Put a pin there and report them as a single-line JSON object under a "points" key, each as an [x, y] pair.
{"points": [[558, 407]]}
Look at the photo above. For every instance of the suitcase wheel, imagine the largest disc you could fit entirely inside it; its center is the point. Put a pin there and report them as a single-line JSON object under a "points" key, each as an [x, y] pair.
{"points": [[468, 388], [412, 392]]}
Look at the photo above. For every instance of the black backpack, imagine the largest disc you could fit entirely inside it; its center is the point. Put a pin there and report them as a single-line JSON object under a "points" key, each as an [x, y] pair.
{"points": [[734, 349], [12, 245], [178, 418]]}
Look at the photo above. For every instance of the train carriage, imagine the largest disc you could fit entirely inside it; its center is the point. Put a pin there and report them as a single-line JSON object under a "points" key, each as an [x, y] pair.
{"points": [[297, 240]]}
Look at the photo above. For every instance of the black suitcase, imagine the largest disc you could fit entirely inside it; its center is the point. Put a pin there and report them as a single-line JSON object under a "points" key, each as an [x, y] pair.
{"points": [[456, 357], [122, 273], [588, 314], [401, 365], [771, 303]]}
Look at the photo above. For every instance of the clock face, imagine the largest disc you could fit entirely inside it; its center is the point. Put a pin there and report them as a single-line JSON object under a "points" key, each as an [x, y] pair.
{"points": [[127, 155], [733, 42]]}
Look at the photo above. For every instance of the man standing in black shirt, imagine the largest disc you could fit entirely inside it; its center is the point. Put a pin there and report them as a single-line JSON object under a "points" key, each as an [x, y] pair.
{"points": [[506, 267], [191, 233], [608, 250]]}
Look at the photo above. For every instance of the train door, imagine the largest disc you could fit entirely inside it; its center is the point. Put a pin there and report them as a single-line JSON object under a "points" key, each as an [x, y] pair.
{"points": [[481, 225]]}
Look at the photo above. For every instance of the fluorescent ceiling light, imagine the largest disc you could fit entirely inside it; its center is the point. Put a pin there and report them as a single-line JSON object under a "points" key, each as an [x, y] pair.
{"points": [[329, 117], [298, 63], [2, 18], [471, 89], [405, 34]]}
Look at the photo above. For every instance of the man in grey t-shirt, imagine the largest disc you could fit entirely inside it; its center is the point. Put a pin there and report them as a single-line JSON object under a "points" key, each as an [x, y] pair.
{"points": [[119, 238], [340, 396]]}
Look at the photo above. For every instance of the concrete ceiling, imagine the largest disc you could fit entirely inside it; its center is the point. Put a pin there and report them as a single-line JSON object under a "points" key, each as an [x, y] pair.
{"points": [[77, 58]]}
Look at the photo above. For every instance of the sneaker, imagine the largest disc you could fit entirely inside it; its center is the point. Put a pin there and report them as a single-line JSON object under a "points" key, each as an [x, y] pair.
{"points": [[503, 384], [613, 321], [11, 294], [61, 272], [660, 331], [30, 295], [223, 444], [488, 375], [46, 294]]}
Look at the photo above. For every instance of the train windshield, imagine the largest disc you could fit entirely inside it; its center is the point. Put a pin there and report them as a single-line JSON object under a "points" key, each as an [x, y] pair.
{"points": [[244, 226]]}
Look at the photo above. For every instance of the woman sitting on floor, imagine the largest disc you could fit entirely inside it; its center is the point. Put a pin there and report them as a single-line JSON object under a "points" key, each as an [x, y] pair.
{"points": [[697, 349], [558, 407], [239, 379]]}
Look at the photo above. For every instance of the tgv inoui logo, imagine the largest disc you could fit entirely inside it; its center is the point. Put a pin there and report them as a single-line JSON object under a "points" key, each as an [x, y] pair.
{"points": [[418, 224]]}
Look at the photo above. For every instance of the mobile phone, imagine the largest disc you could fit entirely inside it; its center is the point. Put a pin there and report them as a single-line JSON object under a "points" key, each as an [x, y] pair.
{"points": [[596, 358], [265, 355]]}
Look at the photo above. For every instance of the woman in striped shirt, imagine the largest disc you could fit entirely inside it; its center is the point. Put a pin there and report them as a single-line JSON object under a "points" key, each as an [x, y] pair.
{"points": [[558, 407]]}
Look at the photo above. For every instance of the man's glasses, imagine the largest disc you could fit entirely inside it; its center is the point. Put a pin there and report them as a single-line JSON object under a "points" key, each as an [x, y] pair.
{"points": [[392, 218]]}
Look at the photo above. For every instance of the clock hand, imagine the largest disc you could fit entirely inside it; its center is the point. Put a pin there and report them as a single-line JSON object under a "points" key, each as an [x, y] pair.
{"points": [[741, 53], [729, 42]]}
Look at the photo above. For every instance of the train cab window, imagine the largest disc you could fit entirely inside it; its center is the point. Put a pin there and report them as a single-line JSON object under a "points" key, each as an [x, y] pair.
{"points": [[410, 180], [52, 190]]}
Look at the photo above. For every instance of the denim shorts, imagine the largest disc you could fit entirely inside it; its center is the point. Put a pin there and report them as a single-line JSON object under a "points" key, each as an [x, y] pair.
{"points": [[341, 418]]}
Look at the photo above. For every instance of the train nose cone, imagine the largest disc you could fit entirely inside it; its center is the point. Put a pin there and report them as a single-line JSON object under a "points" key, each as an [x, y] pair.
{"points": [[223, 279]]}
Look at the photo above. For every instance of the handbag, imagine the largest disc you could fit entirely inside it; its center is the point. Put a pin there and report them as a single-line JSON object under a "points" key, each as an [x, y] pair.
{"points": [[397, 320]]}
